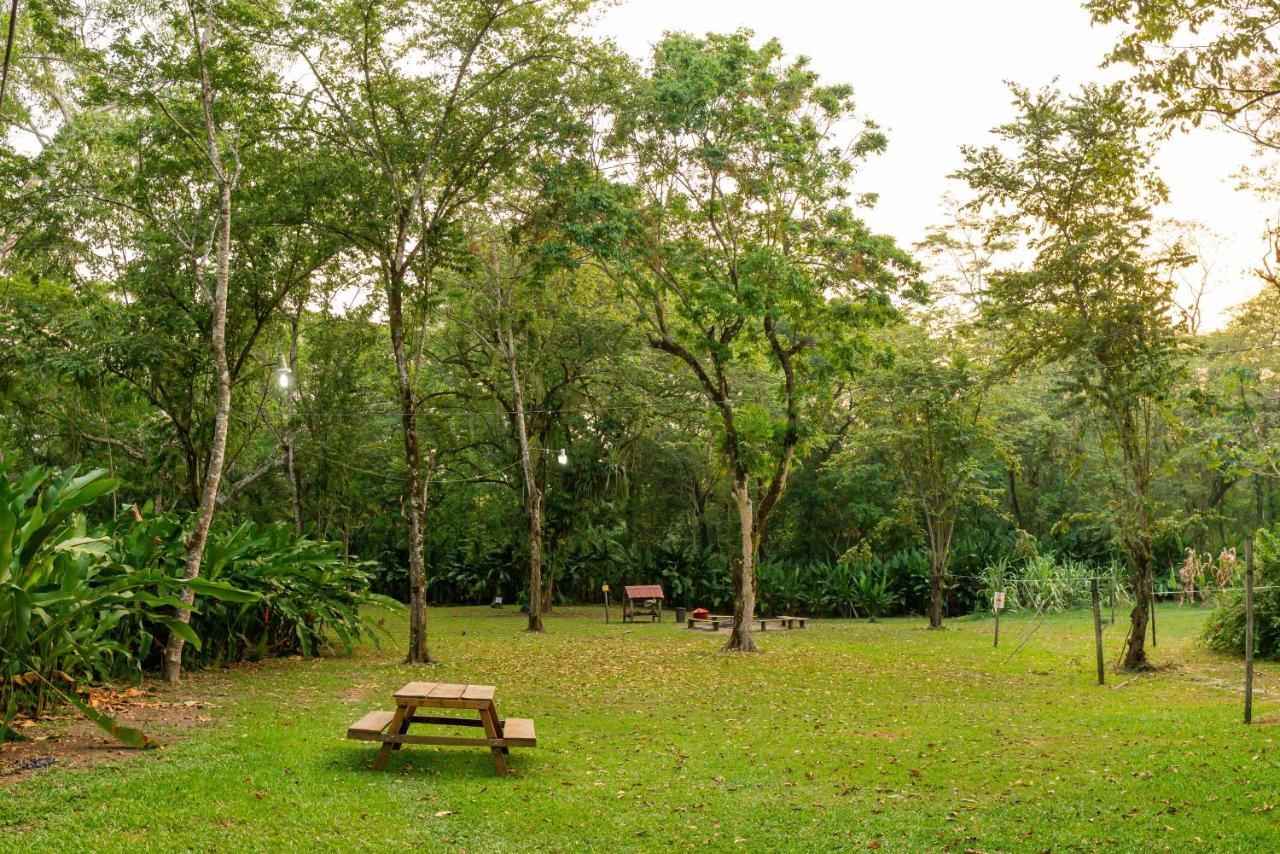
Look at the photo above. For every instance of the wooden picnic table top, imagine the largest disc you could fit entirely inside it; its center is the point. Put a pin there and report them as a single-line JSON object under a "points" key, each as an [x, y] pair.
{"points": [[444, 693]]}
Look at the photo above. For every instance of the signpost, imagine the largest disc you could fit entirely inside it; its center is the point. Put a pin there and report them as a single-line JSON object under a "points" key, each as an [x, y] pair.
{"points": [[997, 605], [605, 588]]}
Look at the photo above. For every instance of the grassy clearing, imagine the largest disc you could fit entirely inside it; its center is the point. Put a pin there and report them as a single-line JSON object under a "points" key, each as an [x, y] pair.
{"points": [[847, 734]]}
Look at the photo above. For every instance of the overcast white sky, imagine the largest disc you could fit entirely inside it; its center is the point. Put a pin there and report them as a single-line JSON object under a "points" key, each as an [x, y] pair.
{"points": [[932, 72]]}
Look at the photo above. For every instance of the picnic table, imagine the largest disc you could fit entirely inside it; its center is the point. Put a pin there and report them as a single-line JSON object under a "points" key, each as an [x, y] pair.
{"points": [[392, 728], [716, 622]]}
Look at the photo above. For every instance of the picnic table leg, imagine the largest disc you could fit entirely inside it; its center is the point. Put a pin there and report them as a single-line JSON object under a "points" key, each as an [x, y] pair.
{"points": [[399, 725], [489, 717]]}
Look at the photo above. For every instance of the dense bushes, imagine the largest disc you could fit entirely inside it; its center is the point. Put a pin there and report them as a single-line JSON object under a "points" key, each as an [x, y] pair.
{"points": [[276, 594], [62, 597], [1225, 629], [85, 604]]}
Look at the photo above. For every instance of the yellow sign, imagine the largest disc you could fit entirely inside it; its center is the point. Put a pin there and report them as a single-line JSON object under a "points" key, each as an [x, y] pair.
{"points": [[604, 588]]}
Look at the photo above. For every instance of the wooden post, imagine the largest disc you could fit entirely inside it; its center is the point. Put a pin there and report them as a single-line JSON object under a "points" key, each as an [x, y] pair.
{"points": [[1115, 579], [1097, 629], [1248, 631], [1153, 610], [997, 641], [606, 604]]}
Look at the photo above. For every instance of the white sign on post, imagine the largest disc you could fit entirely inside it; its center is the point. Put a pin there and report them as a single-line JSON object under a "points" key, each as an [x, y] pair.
{"points": [[999, 600]]}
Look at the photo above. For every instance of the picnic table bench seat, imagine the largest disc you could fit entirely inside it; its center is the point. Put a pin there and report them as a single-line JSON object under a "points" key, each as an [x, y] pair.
{"points": [[391, 729], [715, 622]]}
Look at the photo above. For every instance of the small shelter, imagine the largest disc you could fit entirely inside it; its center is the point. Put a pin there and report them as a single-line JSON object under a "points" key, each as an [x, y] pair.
{"points": [[642, 600]]}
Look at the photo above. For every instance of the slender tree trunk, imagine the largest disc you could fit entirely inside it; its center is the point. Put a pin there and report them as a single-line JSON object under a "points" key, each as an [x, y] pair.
{"points": [[217, 452], [202, 36], [1135, 651], [532, 494], [295, 485], [416, 508], [548, 587], [744, 580], [1138, 543], [1014, 505], [700, 516], [940, 531]]}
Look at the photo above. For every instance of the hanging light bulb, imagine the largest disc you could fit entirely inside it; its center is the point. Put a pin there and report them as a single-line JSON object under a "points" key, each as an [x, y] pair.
{"points": [[282, 375], [562, 458]]}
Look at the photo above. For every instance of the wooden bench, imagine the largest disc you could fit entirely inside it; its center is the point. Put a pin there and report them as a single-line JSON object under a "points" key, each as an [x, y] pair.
{"points": [[714, 623], [649, 597], [392, 728]]}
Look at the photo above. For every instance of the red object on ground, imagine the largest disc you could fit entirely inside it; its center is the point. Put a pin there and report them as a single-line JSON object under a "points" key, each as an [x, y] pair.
{"points": [[700, 614]]}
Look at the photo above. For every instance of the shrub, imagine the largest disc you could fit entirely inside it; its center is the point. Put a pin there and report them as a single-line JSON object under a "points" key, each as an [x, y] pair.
{"points": [[265, 592], [63, 597], [1041, 582], [1225, 630], [81, 605]]}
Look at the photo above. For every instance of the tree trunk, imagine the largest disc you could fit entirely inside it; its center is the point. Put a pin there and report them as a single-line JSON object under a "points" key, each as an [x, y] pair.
{"points": [[1135, 650], [744, 580], [548, 587], [217, 451], [940, 531], [532, 494], [418, 653], [1014, 504], [295, 484]]}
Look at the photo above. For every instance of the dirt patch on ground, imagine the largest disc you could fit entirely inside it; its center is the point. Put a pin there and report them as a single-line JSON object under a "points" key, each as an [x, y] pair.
{"points": [[67, 740]]}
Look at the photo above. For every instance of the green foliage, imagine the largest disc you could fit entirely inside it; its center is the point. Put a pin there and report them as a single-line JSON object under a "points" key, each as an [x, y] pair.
{"points": [[62, 596], [263, 591], [82, 605], [1225, 629]]}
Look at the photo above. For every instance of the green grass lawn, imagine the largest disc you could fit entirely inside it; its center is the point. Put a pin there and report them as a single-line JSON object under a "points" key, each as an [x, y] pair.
{"points": [[847, 735]]}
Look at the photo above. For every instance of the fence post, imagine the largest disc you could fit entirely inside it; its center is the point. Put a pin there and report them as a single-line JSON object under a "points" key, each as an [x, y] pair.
{"points": [[996, 608], [1248, 631], [1153, 610], [1114, 581], [1097, 629]]}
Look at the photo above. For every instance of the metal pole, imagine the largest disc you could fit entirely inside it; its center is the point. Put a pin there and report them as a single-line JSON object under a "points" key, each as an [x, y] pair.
{"points": [[1248, 631], [1097, 629], [1153, 610]]}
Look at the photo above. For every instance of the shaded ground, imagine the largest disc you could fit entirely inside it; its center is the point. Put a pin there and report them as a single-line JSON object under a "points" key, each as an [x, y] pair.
{"points": [[64, 739], [846, 735]]}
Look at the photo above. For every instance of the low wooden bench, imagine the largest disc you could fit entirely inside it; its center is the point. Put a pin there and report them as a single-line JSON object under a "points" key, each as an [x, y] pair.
{"points": [[716, 623], [392, 728]]}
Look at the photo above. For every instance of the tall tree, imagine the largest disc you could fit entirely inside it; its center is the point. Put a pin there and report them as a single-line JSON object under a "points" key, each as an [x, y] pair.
{"points": [[926, 408], [732, 234], [423, 106], [156, 105], [1074, 175]]}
